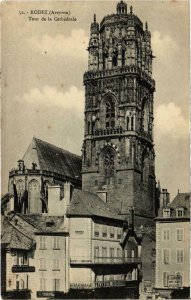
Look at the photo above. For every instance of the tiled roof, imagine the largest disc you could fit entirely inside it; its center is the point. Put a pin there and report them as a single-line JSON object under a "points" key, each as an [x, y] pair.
{"points": [[44, 223], [181, 200], [21, 234], [89, 204], [5, 199], [14, 238], [53, 159]]}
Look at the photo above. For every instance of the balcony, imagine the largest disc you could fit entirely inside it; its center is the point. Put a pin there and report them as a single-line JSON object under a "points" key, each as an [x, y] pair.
{"points": [[105, 261], [132, 69], [115, 131]]}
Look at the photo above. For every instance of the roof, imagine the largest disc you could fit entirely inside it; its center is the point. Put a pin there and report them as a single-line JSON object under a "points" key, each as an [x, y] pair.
{"points": [[129, 234], [89, 204], [21, 234], [53, 159], [14, 238], [181, 200], [44, 223], [4, 200]]}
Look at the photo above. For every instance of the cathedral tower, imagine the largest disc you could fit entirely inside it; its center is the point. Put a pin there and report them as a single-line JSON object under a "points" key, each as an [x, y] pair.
{"points": [[118, 149]]}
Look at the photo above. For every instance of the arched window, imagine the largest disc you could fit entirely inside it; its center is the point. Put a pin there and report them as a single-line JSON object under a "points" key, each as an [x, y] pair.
{"points": [[127, 123], [20, 191], [114, 58], [105, 57], [20, 188], [35, 205], [123, 57], [110, 113], [145, 167], [88, 127], [145, 115], [132, 123], [22, 284], [109, 159]]}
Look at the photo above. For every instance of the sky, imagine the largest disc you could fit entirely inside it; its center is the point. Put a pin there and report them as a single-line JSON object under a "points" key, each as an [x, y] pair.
{"points": [[42, 80]]}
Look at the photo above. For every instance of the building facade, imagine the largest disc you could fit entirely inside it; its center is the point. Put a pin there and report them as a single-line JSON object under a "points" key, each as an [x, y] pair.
{"points": [[80, 247], [118, 149], [42, 165], [104, 249], [173, 247], [35, 260], [116, 172]]}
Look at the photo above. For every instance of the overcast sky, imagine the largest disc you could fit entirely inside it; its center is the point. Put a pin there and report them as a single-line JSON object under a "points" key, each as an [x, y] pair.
{"points": [[43, 95]]}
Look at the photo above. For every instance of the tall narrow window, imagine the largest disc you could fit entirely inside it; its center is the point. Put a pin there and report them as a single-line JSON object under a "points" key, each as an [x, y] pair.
{"points": [[42, 284], [42, 242], [180, 234], [104, 253], [96, 229], [89, 127], [132, 123], [34, 197], [119, 252], [56, 243], [56, 264], [123, 57], [109, 164], [110, 113], [115, 58], [56, 284], [42, 264], [166, 234], [180, 256], [165, 279], [119, 231], [111, 232], [104, 231], [20, 190], [111, 250], [96, 252], [166, 256], [127, 123], [24, 259]]}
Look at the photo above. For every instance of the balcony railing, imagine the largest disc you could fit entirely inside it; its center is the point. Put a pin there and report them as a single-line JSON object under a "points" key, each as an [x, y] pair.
{"points": [[133, 69], [108, 131], [106, 260]]}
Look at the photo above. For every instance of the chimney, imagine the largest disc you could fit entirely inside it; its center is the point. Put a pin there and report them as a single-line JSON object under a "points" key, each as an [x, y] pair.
{"points": [[131, 218], [57, 206], [54, 200], [164, 198]]}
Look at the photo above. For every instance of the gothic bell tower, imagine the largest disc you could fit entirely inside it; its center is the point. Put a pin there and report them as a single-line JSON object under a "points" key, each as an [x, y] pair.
{"points": [[118, 149]]}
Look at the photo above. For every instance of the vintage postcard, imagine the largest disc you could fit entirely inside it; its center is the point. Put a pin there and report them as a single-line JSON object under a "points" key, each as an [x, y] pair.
{"points": [[95, 198]]}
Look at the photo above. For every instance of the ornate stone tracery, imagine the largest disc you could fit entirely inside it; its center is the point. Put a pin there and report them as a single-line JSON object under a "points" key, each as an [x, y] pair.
{"points": [[120, 98]]}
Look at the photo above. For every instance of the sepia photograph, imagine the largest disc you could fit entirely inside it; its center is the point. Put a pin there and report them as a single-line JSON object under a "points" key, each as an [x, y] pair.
{"points": [[95, 194]]}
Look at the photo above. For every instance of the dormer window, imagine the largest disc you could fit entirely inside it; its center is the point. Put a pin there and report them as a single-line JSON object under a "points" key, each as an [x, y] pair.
{"points": [[180, 212], [166, 212]]}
